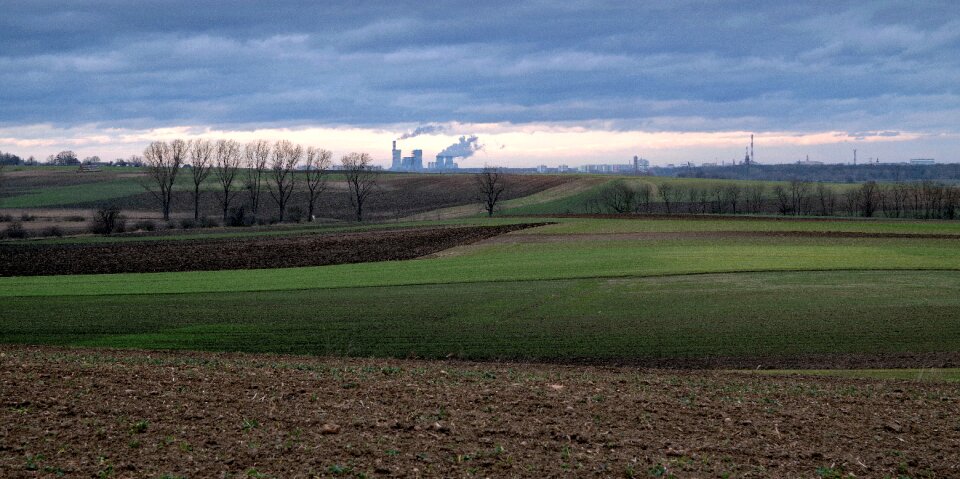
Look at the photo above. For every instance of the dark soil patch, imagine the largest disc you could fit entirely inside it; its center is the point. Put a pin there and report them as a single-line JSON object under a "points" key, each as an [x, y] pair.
{"points": [[246, 253], [89, 413]]}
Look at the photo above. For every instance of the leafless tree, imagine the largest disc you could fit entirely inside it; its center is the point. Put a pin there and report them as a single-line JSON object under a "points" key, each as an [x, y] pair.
{"points": [[733, 193], [826, 199], [163, 161], [666, 191], [851, 200], [256, 154], [719, 199], [286, 156], [800, 197], [784, 203], [754, 197], [227, 164], [361, 179], [490, 184], [201, 163], [318, 164], [693, 197], [644, 194], [619, 197], [868, 199]]}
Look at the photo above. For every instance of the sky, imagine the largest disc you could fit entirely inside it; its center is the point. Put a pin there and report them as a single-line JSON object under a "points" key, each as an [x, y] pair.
{"points": [[537, 82]]}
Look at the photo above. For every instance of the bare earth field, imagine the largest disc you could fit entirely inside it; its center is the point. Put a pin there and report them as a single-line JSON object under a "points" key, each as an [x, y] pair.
{"points": [[238, 253], [102, 413]]}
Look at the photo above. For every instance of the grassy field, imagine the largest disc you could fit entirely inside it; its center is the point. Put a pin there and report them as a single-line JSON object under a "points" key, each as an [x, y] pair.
{"points": [[531, 262], [577, 298], [686, 316], [567, 226]]}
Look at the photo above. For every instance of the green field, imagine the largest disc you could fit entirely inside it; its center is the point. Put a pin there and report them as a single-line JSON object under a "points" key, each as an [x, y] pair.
{"points": [[547, 293], [730, 315]]}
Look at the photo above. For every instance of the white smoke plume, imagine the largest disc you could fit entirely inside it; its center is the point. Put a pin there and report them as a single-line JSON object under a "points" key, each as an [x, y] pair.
{"points": [[423, 130], [464, 148]]}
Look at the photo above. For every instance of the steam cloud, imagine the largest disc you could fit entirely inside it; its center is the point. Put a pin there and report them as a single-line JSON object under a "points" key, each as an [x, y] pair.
{"points": [[464, 148], [423, 130]]}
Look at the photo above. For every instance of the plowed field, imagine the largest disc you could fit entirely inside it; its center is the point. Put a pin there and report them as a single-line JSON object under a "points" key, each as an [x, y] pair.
{"points": [[97, 413], [248, 253]]}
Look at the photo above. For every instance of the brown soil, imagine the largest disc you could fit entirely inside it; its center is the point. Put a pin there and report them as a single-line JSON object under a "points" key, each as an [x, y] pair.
{"points": [[237, 253], [84, 413]]}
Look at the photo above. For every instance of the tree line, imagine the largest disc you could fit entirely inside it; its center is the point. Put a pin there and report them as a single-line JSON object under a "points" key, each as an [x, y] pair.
{"points": [[845, 173], [915, 199], [266, 171]]}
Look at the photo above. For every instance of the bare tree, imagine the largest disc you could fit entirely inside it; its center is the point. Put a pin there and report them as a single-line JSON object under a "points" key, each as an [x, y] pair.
{"points": [[666, 191], [733, 193], [693, 196], [851, 199], [318, 163], [826, 199], [754, 197], [256, 154], [163, 161], [490, 184], [800, 197], [201, 153], [784, 204], [619, 197], [868, 199], [361, 179], [644, 193], [286, 156], [227, 164], [719, 199]]}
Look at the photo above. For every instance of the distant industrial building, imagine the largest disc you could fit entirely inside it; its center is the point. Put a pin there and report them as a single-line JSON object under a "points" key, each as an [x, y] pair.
{"points": [[443, 163], [406, 163], [922, 161]]}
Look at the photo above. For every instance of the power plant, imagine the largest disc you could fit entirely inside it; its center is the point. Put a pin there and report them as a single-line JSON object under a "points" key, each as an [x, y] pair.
{"points": [[408, 163], [415, 162]]}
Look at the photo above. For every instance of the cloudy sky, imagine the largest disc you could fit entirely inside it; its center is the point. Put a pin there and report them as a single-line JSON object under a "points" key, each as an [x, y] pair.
{"points": [[568, 82]]}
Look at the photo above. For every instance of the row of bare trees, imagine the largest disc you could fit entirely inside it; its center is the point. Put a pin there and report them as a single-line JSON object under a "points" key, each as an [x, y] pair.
{"points": [[255, 167], [922, 199]]}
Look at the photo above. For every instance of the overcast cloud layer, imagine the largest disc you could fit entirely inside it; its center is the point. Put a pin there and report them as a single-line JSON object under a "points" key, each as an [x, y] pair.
{"points": [[867, 69]]}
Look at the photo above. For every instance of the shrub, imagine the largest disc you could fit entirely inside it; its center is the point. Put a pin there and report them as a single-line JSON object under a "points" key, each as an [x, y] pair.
{"points": [[27, 217], [238, 216], [207, 222], [295, 214], [15, 230], [145, 225], [6, 218], [52, 231], [108, 220], [75, 218], [188, 223]]}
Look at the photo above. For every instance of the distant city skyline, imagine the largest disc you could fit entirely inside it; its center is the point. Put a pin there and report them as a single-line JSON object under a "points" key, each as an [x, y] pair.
{"points": [[536, 82]]}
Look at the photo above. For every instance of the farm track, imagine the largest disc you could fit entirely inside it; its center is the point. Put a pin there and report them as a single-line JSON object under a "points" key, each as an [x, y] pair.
{"points": [[84, 413], [246, 253]]}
